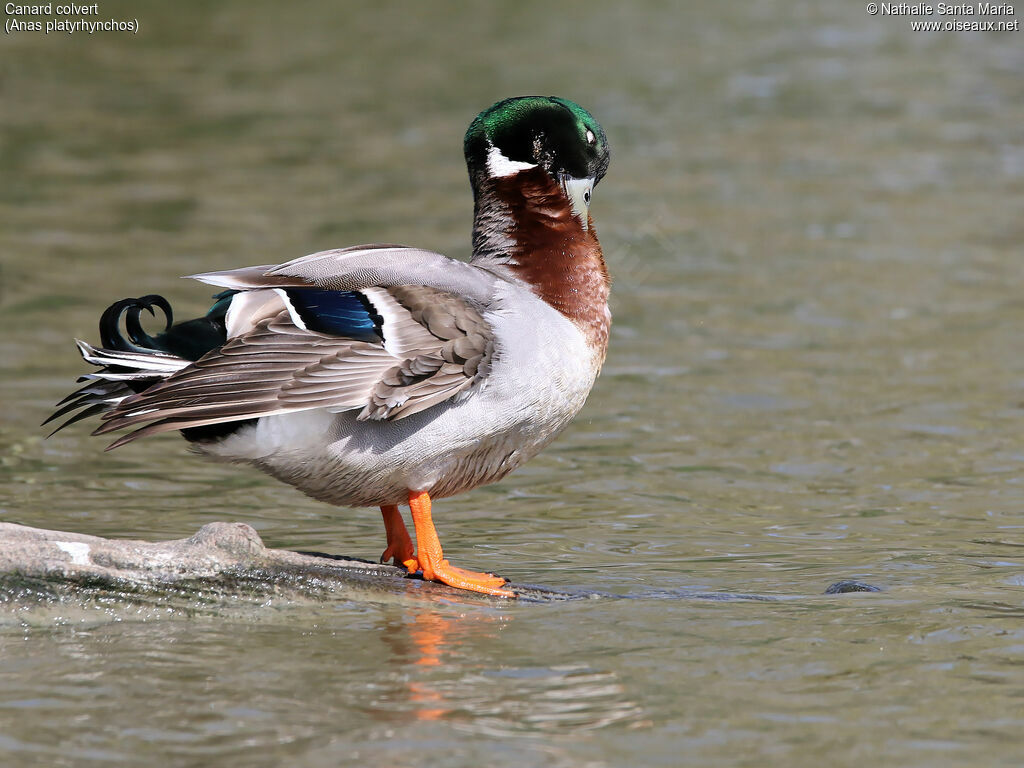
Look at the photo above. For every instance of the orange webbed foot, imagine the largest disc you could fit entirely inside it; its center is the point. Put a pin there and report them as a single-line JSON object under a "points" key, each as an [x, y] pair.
{"points": [[411, 564], [460, 578], [399, 550], [432, 561]]}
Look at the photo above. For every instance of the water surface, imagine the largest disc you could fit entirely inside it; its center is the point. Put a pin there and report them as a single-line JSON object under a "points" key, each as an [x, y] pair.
{"points": [[813, 218]]}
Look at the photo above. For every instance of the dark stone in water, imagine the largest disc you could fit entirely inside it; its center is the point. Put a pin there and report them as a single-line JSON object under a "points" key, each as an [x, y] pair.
{"points": [[842, 587]]}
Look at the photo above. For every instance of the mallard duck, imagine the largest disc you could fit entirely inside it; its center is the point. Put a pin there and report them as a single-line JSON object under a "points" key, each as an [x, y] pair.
{"points": [[381, 375]]}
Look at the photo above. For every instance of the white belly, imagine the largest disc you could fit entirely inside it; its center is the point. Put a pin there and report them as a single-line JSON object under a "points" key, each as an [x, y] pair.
{"points": [[542, 371]]}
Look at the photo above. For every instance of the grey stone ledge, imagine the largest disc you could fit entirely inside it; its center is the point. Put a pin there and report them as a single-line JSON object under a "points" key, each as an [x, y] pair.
{"points": [[219, 563]]}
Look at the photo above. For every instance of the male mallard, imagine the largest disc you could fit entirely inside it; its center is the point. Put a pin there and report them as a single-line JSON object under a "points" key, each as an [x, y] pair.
{"points": [[379, 374]]}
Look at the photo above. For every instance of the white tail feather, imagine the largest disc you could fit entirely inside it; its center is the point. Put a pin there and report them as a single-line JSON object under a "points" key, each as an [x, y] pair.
{"points": [[144, 365]]}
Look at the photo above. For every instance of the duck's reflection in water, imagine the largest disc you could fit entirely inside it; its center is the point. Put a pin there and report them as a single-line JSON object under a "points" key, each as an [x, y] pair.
{"points": [[457, 667], [427, 633]]}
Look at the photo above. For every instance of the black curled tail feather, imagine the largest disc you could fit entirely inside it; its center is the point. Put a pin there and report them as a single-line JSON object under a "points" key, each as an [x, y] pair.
{"points": [[131, 360], [130, 309], [190, 339]]}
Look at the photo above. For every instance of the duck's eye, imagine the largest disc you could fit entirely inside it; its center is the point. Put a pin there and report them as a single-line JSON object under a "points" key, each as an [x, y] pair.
{"points": [[591, 138]]}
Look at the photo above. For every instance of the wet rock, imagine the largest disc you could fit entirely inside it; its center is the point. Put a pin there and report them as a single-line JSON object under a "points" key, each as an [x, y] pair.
{"points": [[215, 549], [216, 566], [220, 559]]}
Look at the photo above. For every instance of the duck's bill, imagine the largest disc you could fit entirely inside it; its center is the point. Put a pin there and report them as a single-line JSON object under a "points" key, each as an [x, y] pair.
{"points": [[579, 191]]}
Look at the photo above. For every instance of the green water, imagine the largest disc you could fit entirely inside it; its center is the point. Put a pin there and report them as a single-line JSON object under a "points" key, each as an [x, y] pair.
{"points": [[814, 221]]}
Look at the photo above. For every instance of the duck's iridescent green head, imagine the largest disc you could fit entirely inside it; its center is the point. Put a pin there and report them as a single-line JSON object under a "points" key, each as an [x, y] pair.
{"points": [[526, 132]]}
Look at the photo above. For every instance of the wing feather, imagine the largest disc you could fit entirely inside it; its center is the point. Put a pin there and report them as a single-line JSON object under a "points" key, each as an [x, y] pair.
{"points": [[434, 345]]}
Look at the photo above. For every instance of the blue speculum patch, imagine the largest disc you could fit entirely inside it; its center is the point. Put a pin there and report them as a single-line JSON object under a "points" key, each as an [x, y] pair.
{"points": [[339, 313]]}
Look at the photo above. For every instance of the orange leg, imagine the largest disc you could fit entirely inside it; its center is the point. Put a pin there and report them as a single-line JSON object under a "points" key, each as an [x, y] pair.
{"points": [[400, 550], [431, 558]]}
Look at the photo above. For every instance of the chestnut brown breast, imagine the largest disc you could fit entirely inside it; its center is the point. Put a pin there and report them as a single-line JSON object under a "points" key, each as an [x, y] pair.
{"points": [[553, 252]]}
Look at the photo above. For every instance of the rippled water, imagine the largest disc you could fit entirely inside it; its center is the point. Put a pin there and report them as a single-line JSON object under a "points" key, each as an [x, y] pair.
{"points": [[813, 217]]}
